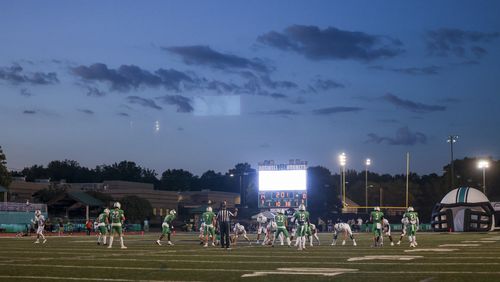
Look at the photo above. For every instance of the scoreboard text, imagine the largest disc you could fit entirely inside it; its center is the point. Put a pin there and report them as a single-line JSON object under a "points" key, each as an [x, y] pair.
{"points": [[282, 199]]}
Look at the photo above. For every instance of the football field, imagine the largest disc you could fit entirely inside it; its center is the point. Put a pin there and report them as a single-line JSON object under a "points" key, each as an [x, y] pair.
{"points": [[438, 257]]}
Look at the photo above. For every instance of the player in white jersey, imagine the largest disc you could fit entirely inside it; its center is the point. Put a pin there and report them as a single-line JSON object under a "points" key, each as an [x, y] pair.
{"points": [[270, 232], [239, 230], [312, 231], [404, 224], [39, 221], [202, 233], [261, 228], [386, 231], [346, 230]]}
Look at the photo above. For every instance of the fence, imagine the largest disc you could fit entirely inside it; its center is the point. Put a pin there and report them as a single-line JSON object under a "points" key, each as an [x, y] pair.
{"points": [[22, 207]]}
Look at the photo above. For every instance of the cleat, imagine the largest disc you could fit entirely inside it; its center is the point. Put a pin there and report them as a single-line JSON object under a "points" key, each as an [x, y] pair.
{"points": [[398, 243], [392, 243], [37, 242], [109, 247], [158, 242], [123, 247], [98, 244], [343, 243], [354, 244], [206, 245], [44, 241], [170, 243]]}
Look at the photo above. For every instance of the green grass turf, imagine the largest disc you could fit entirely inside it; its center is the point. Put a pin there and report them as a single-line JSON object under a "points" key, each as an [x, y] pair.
{"points": [[80, 258]]}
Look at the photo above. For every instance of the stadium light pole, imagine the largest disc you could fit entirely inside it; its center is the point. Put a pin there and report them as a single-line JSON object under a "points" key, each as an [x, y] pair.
{"points": [[452, 139], [483, 164], [343, 161], [368, 162]]}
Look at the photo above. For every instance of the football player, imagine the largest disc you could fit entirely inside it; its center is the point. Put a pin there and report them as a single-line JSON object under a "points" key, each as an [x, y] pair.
{"points": [[102, 227], [209, 229], [166, 228], [270, 232], [39, 221], [302, 219], [261, 228], [239, 230], [281, 223], [413, 225], [345, 229], [376, 217], [312, 231], [202, 233], [404, 224], [386, 230], [117, 219]]}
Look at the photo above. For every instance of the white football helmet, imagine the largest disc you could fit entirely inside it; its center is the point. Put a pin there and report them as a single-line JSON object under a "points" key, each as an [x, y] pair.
{"points": [[376, 209], [117, 205], [38, 213], [106, 211], [172, 212], [302, 207], [209, 209], [237, 225], [410, 209]]}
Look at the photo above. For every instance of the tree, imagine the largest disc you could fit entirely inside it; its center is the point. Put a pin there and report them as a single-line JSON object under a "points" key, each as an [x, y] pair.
{"points": [[136, 209], [5, 178], [45, 195], [178, 180]]}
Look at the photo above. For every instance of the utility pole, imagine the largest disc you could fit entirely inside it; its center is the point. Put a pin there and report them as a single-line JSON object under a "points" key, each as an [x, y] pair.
{"points": [[452, 139]]}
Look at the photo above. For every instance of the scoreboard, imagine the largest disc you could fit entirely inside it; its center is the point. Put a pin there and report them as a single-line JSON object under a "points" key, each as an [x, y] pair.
{"points": [[282, 199], [282, 185]]}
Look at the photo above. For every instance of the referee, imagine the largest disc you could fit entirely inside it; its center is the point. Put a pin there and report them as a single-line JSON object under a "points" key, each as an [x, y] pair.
{"points": [[224, 220]]}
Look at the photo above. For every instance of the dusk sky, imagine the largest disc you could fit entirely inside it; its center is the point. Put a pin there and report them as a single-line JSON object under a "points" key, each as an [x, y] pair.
{"points": [[202, 85]]}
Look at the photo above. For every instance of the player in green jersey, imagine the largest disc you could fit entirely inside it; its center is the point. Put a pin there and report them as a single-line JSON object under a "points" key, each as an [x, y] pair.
{"points": [[281, 223], [376, 217], [413, 225], [209, 229], [102, 226], [301, 218], [117, 218], [166, 228]]}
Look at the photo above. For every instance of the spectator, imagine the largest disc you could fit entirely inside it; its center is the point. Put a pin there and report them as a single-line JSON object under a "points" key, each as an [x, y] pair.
{"points": [[60, 231], [88, 226]]}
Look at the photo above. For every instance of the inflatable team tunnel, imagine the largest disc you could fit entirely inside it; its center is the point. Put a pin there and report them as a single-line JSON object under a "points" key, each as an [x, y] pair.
{"points": [[463, 209]]}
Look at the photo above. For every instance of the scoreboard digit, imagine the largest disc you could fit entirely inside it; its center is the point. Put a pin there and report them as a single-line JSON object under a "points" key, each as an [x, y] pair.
{"points": [[279, 199]]}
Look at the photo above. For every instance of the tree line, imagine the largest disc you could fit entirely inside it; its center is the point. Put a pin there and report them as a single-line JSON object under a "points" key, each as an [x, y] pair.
{"points": [[323, 185]]}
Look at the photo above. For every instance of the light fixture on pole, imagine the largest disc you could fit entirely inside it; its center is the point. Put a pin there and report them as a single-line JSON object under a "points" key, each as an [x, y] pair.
{"points": [[483, 164], [452, 139], [343, 161], [368, 162]]}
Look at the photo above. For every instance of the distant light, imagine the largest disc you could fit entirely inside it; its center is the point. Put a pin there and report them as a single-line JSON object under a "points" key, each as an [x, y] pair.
{"points": [[483, 164], [232, 175], [157, 126], [342, 159], [452, 138], [368, 162]]}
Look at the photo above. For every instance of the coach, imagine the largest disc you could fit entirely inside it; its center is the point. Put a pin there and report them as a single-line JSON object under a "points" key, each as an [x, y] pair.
{"points": [[224, 220]]}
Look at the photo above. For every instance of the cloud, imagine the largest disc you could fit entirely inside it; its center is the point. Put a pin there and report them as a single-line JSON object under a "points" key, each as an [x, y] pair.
{"points": [[143, 102], [403, 137], [127, 77], [332, 43], [327, 84], [184, 104], [15, 74], [336, 110], [446, 42], [411, 105], [25, 92], [29, 112], [206, 56], [94, 92], [428, 70], [86, 111], [284, 113], [123, 114]]}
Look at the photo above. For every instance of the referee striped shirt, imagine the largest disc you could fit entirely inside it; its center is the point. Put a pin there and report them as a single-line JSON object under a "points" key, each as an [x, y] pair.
{"points": [[224, 215]]}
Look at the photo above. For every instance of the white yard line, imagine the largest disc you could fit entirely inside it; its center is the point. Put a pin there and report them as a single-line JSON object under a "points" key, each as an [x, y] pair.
{"points": [[83, 278]]}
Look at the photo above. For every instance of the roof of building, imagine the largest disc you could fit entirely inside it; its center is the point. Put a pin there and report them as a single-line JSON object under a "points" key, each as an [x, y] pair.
{"points": [[85, 199]]}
